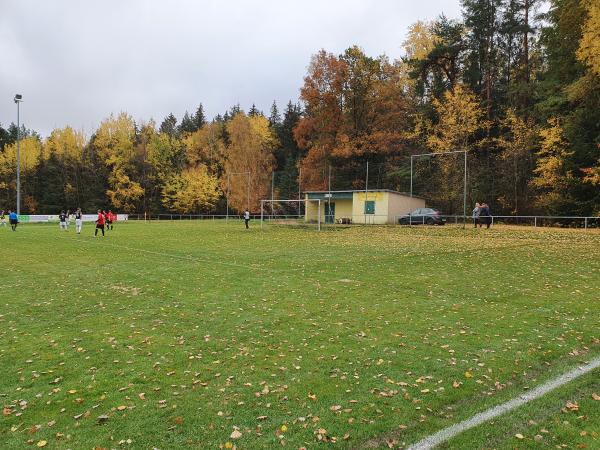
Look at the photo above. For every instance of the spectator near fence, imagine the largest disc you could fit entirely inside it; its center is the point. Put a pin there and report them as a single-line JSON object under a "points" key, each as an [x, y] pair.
{"points": [[476, 212], [485, 215]]}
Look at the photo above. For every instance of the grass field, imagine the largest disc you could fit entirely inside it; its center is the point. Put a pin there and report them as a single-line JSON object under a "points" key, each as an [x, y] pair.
{"points": [[205, 335]]}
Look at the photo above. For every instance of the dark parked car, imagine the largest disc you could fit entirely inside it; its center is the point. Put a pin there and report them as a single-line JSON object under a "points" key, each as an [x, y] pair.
{"points": [[423, 216]]}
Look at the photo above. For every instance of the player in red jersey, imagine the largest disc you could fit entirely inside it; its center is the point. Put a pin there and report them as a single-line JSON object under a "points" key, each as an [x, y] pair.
{"points": [[99, 223], [109, 222]]}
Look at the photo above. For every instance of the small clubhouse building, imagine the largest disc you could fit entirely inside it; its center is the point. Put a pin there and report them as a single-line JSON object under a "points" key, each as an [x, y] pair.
{"points": [[378, 206]]}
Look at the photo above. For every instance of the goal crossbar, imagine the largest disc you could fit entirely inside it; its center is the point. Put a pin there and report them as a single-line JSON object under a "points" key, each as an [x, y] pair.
{"points": [[296, 201]]}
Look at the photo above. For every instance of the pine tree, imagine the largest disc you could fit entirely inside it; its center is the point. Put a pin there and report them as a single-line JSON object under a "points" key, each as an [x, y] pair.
{"points": [[254, 111], [169, 125], [275, 117], [187, 124], [199, 117]]}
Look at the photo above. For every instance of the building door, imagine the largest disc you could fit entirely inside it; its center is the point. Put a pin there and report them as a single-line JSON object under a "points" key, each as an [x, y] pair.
{"points": [[329, 212]]}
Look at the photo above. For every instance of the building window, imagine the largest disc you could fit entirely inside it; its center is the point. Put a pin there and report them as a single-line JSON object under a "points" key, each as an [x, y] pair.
{"points": [[370, 207]]}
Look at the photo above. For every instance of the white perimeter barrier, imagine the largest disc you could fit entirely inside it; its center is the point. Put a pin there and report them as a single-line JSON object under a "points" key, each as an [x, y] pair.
{"points": [[40, 218]]}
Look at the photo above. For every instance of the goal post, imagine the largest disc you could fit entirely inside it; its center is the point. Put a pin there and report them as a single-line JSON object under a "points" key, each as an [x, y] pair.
{"points": [[291, 212]]}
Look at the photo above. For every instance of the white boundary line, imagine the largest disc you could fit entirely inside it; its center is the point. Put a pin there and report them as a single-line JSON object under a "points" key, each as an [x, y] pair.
{"points": [[436, 439]]}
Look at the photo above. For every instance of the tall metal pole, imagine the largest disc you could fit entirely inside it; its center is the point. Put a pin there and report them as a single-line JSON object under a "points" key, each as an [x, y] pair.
{"points": [[17, 101], [299, 183], [411, 175], [329, 196], [465, 195], [227, 200], [366, 192], [272, 191]]}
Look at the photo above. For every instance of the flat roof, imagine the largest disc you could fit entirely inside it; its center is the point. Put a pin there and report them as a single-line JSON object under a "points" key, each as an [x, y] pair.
{"points": [[406, 194]]}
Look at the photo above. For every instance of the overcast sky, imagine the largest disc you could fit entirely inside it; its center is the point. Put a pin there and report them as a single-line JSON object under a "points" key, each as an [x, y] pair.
{"points": [[77, 61]]}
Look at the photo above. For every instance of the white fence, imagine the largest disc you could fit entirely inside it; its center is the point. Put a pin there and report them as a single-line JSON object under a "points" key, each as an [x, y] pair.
{"points": [[589, 222]]}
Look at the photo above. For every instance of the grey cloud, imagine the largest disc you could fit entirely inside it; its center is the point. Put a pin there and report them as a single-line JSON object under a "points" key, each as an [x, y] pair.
{"points": [[75, 62]]}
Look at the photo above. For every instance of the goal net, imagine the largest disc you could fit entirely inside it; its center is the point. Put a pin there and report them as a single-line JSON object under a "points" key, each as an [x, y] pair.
{"points": [[305, 212]]}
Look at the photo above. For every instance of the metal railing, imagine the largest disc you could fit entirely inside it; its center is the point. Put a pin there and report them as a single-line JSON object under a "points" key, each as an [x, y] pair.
{"points": [[583, 222]]}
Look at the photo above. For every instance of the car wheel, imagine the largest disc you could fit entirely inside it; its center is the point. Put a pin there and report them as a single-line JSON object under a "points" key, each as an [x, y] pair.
{"points": [[430, 221], [403, 222]]}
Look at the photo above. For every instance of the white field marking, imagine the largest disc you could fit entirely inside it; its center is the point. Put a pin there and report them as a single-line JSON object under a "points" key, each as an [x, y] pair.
{"points": [[447, 433], [89, 240]]}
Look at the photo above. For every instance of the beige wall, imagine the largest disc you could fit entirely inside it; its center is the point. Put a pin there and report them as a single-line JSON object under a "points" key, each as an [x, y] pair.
{"points": [[381, 208], [343, 209], [310, 213], [402, 204], [388, 206]]}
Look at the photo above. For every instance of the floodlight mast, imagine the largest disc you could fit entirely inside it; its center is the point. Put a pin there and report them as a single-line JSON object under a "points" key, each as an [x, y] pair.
{"points": [[18, 99], [465, 177]]}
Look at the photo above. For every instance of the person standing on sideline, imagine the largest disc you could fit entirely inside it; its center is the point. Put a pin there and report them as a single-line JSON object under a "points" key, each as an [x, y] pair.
{"points": [[247, 218], [13, 219], [486, 214], [476, 212], [109, 222], [2, 219], [78, 220], [62, 218], [99, 223], [105, 215]]}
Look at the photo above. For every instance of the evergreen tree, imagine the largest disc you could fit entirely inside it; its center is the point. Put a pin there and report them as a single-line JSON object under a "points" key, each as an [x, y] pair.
{"points": [[275, 117], [169, 125], [254, 111], [187, 124], [199, 117]]}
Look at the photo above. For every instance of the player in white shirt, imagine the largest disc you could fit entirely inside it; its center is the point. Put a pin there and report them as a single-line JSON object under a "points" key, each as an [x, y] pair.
{"points": [[78, 220]]}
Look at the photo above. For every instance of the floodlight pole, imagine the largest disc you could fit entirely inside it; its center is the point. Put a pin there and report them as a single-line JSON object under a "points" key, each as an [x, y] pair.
{"points": [[366, 193], [227, 200], [18, 99], [272, 192], [329, 194], [465, 178]]}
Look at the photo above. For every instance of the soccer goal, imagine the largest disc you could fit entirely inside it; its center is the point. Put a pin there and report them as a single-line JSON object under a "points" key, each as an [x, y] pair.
{"points": [[305, 212]]}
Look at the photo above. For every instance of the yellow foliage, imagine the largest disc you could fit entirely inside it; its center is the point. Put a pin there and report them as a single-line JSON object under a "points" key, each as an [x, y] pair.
{"points": [[250, 150], [206, 146], [30, 155], [589, 46], [460, 116], [420, 40], [552, 176], [191, 191], [65, 142]]}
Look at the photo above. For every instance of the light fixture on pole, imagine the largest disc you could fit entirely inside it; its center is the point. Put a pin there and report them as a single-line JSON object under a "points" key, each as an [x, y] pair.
{"points": [[18, 99]]}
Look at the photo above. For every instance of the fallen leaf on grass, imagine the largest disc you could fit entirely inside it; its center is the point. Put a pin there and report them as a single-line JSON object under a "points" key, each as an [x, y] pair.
{"points": [[596, 396], [42, 443], [572, 406], [235, 434], [519, 436]]}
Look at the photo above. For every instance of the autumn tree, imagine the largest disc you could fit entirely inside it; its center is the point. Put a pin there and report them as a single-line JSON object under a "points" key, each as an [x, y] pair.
{"points": [[589, 46], [206, 146], [553, 176], [192, 191], [518, 144], [250, 150], [114, 141], [30, 155]]}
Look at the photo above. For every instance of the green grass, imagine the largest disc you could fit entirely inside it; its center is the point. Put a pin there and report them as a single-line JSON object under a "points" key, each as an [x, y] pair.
{"points": [[357, 335]]}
